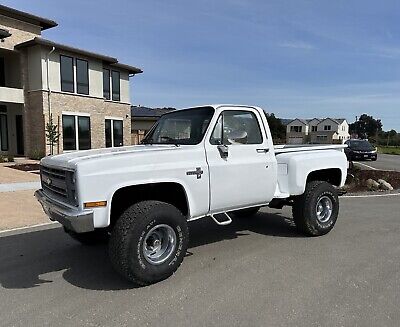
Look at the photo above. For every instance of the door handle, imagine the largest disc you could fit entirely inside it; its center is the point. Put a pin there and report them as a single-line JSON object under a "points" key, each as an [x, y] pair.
{"points": [[262, 150]]}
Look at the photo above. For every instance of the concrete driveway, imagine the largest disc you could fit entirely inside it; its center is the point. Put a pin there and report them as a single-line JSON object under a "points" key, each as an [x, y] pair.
{"points": [[258, 272], [384, 162]]}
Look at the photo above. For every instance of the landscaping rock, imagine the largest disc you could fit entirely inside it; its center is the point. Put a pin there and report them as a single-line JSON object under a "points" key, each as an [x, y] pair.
{"points": [[385, 185], [372, 185]]}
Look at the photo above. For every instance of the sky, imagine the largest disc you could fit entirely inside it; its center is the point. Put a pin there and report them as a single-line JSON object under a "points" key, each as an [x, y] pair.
{"points": [[299, 58]]}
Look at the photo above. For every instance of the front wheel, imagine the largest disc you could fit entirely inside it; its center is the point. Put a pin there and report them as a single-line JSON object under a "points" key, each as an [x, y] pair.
{"points": [[148, 242], [315, 212]]}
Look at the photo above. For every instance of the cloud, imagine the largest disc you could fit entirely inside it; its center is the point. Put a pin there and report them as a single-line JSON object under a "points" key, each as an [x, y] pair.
{"points": [[297, 45]]}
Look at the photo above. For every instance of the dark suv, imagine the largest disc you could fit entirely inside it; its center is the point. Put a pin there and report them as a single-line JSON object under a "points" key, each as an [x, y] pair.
{"points": [[360, 150]]}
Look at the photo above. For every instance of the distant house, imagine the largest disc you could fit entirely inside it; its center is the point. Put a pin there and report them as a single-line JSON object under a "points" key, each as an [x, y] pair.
{"points": [[328, 130], [143, 118]]}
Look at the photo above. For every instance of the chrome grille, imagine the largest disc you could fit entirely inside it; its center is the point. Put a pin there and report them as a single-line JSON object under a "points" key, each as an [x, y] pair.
{"points": [[58, 183]]}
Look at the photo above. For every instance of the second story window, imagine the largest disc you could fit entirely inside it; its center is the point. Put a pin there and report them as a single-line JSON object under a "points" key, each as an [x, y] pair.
{"points": [[106, 84], [116, 87], [313, 128], [327, 127], [296, 129], [82, 76], [67, 73]]}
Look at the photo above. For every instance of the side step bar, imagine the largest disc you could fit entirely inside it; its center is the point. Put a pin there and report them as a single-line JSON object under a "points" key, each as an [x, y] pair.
{"points": [[221, 219]]}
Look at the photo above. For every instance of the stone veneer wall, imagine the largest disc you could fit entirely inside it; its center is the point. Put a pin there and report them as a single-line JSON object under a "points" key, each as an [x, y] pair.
{"points": [[21, 32], [98, 109]]}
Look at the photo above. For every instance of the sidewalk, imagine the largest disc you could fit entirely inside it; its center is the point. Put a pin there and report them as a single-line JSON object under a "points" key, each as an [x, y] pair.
{"points": [[18, 206]]}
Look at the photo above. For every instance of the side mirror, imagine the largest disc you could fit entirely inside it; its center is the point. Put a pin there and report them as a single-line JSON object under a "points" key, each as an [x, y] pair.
{"points": [[223, 151], [238, 137]]}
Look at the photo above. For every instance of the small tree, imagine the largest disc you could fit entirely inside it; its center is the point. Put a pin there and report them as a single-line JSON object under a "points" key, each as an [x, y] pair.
{"points": [[52, 135]]}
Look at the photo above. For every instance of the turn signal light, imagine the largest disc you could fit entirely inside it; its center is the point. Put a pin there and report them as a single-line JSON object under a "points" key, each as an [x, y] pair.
{"points": [[95, 204]]}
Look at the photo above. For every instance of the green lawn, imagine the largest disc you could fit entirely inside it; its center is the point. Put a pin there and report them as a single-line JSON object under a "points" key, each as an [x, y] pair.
{"points": [[389, 149]]}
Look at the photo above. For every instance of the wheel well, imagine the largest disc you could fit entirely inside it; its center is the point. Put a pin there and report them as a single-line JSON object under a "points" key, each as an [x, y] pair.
{"points": [[172, 193], [332, 176]]}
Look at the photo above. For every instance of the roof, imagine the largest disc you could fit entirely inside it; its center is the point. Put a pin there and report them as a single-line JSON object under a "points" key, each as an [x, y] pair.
{"points": [[145, 112], [4, 33], [303, 121], [44, 23], [110, 60]]}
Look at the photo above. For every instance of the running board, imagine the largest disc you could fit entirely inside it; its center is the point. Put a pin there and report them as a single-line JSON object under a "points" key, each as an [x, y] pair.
{"points": [[218, 218]]}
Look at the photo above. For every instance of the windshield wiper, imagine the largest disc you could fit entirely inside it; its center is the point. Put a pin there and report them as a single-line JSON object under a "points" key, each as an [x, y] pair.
{"points": [[170, 139], [146, 141]]}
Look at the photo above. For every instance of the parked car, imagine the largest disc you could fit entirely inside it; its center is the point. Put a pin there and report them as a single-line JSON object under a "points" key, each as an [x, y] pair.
{"points": [[213, 161], [360, 150]]}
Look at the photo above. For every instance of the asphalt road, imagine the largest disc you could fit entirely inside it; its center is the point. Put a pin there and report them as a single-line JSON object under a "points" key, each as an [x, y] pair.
{"points": [[384, 162], [258, 272]]}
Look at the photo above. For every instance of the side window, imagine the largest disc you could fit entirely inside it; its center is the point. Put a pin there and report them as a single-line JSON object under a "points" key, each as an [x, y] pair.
{"points": [[236, 127]]}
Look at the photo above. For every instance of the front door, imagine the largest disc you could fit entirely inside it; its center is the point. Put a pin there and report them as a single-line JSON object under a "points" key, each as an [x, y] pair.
{"points": [[242, 167], [20, 134]]}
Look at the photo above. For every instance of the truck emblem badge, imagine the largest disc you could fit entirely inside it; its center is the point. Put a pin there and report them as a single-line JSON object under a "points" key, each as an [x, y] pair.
{"points": [[198, 172], [48, 181]]}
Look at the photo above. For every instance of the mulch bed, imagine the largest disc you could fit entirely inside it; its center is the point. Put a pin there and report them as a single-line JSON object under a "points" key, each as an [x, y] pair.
{"points": [[359, 182], [25, 167]]}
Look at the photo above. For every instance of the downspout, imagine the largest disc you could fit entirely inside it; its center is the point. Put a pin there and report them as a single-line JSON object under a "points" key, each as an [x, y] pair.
{"points": [[48, 87]]}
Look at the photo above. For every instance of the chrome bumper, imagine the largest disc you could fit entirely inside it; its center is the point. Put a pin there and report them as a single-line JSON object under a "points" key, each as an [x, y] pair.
{"points": [[75, 220]]}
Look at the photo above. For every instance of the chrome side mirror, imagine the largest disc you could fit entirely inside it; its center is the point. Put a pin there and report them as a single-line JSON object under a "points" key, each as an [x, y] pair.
{"points": [[223, 151]]}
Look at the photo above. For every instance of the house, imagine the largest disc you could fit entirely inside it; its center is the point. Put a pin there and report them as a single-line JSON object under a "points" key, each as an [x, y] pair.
{"points": [[143, 119], [328, 130], [86, 94], [297, 131]]}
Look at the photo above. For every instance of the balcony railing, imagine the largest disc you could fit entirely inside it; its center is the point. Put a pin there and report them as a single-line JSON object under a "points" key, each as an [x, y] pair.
{"points": [[11, 95]]}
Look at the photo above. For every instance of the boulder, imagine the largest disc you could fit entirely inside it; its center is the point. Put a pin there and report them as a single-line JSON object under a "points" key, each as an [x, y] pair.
{"points": [[385, 185], [372, 185]]}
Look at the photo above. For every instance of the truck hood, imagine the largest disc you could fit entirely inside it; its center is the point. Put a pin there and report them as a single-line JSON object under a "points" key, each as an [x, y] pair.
{"points": [[71, 159]]}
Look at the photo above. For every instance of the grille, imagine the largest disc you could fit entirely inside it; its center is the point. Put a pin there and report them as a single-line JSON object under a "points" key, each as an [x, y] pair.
{"points": [[58, 183]]}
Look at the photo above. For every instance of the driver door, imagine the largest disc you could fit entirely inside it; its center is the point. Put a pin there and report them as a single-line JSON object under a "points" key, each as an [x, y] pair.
{"points": [[242, 168]]}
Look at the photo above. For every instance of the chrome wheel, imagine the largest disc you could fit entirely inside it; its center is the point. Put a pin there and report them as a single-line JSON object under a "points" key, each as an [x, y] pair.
{"points": [[324, 209], [159, 244]]}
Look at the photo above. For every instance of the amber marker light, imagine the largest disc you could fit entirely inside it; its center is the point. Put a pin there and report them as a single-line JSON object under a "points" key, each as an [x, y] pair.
{"points": [[95, 204]]}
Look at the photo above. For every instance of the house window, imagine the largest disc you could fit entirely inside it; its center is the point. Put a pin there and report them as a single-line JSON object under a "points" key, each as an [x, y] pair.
{"points": [[3, 129], [67, 74], [76, 132], [296, 129], [106, 84], [327, 127], [313, 128], [82, 76], [2, 72], [116, 96], [114, 132]]}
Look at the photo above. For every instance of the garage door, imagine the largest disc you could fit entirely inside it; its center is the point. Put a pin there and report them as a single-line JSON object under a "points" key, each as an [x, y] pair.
{"points": [[295, 140]]}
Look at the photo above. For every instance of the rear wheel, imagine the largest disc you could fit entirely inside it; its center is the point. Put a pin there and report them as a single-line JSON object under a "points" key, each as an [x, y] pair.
{"points": [[315, 212], [149, 242], [246, 213]]}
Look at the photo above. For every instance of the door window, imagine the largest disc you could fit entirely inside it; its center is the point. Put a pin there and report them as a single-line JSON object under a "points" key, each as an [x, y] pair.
{"points": [[236, 127]]}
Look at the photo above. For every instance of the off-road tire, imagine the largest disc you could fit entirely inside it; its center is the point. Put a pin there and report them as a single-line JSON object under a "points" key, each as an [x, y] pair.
{"points": [[246, 213], [99, 236], [127, 238], [305, 213]]}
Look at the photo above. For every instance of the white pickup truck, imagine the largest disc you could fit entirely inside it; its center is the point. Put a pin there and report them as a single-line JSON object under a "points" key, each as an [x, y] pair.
{"points": [[213, 161]]}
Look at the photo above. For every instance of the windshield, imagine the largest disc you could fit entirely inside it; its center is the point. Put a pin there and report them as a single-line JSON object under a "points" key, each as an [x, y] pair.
{"points": [[181, 127], [361, 145]]}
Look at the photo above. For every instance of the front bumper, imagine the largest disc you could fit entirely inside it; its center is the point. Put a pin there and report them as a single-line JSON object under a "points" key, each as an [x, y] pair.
{"points": [[363, 156], [72, 219]]}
